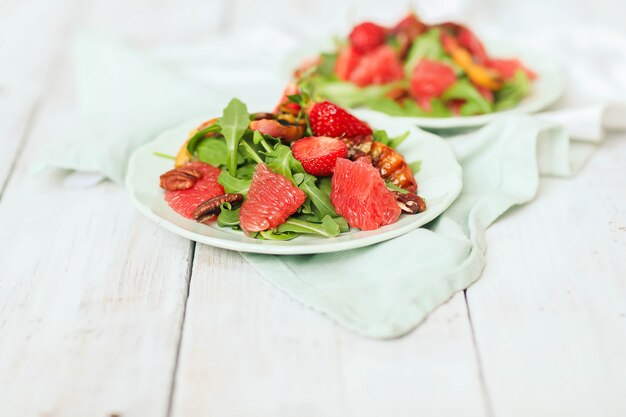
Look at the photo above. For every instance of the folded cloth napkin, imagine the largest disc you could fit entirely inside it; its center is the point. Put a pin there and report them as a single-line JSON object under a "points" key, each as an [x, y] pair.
{"points": [[126, 97]]}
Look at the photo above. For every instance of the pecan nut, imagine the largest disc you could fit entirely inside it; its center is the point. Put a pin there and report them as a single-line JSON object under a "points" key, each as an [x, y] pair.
{"points": [[262, 116], [179, 179], [205, 211], [410, 203]]}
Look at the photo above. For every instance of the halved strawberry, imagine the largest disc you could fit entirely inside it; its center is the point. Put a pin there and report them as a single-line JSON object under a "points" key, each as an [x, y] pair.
{"points": [[380, 66], [318, 154], [430, 79], [328, 119], [367, 36], [347, 60]]}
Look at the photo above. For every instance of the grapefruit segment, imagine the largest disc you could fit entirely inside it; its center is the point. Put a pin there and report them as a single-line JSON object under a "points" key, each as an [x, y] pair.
{"points": [[271, 199], [359, 195], [184, 202]]}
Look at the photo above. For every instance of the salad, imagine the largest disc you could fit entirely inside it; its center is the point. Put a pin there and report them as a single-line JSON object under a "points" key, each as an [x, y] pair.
{"points": [[417, 70], [309, 167]]}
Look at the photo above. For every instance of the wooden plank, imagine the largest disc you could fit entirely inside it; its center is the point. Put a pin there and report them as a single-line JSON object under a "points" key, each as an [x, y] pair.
{"points": [[250, 350], [26, 66], [550, 310], [92, 294]]}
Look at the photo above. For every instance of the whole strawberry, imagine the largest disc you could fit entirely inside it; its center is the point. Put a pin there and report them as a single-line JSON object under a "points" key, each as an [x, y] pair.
{"points": [[328, 119], [318, 154], [367, 36]]}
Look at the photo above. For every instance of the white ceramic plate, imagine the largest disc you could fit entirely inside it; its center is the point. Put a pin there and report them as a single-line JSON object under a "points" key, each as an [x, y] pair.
{"points": [[439, 184], [546, 88]]}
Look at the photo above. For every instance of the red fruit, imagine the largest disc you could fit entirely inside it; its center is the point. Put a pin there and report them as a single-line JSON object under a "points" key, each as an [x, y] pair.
{"points": [[286, 133], [367, 36], [290, 90], [184, 202], [380, 66], [347, 61], [508, 67], [271, 199], [410, 27], [469, 41], [318, 154], [485, 92], [430, 79], [328, 119], [359, 195]]}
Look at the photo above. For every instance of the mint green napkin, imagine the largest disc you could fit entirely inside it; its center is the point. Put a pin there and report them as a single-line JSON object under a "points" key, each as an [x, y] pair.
{"points": [[126, 97], [385, 290]]}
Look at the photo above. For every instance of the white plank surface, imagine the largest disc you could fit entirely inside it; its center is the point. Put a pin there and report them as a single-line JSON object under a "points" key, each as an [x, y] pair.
{"points": [[250, 350], [550, 310], [27, 65], [93, 296]]}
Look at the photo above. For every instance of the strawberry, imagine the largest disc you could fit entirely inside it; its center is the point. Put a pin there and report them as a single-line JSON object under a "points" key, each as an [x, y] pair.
{"points": [[347, 60], [367, 36], [318, 154], [328, 119], [380, 66]]}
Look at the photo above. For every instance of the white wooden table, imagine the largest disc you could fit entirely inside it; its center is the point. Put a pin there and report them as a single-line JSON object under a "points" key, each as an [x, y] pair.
{"points": [[102, 313]]}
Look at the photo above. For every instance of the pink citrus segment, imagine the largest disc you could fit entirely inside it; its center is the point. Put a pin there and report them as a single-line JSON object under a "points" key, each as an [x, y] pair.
{"points": [[359, 195], [271, 199], [380, 66], [184, 202]]}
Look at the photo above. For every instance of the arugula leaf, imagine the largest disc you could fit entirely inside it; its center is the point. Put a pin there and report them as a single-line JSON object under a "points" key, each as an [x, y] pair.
{"points": [[233, 184], [234, 122], [164, 155], [193, 142], [325, 185], [228, 216], [394, 187], [274, 235], [513, 91], [281, 161], [350, 95], [326, 67], [428, 45], [383, 137], [415, 166], [328, 228], [464, 90], [342, 223], [320, 200], [212, 151]]}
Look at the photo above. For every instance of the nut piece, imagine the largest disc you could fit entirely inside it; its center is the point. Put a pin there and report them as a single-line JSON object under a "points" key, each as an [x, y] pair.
{"points": [[410, 203], [358, 145], [204, 212], [262, 116], [179, 179], [392, 166]]}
